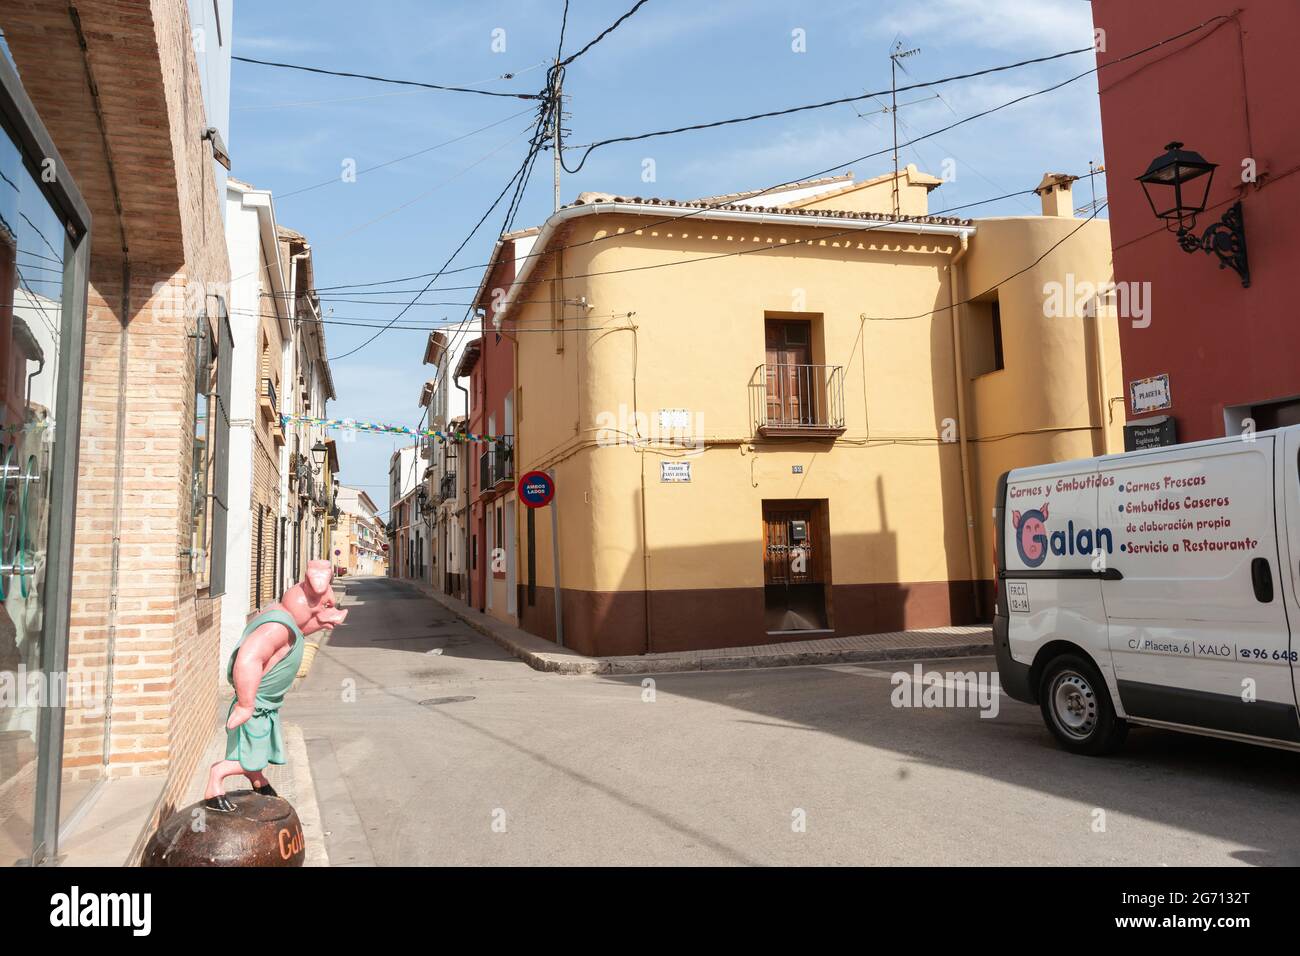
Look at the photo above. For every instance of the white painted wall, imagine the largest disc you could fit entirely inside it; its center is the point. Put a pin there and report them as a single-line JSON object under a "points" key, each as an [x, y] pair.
{"points": [[244, 246]]}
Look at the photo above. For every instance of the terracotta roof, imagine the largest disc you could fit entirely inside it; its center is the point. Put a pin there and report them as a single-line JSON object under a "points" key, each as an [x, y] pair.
{"points": [[777, 210], [469, 358], [788, 187]]}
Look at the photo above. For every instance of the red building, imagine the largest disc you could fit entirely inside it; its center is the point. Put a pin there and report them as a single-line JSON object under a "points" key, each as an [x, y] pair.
{"points": [[489, 363], [1212, 354]]}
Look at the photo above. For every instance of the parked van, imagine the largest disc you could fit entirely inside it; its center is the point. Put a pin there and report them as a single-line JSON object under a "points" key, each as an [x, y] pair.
{"points": [[1154, 587]]}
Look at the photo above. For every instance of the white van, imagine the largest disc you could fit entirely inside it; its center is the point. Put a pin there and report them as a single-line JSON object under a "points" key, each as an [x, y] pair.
{"points": [[1154, 587]]}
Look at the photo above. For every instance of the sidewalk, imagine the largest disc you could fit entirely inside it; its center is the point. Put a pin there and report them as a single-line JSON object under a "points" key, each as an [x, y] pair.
{"points": [[544, 655]]}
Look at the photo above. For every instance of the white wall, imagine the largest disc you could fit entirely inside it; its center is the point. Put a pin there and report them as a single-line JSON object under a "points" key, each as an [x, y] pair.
{"points": [[244, 246]]}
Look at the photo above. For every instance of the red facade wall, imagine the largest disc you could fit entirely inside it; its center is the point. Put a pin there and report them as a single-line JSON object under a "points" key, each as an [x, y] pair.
{"points": [[492, 379], [1227, 92]]}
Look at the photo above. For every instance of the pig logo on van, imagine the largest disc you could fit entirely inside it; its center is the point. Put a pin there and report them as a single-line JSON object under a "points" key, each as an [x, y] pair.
{"points": [[1034, 543], [1031, 535]]}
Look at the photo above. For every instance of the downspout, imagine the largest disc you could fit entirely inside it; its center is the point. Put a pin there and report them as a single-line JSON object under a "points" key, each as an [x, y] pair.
{"points": [[464, 484], [123, 352], [1102, 445], [958, 372]]}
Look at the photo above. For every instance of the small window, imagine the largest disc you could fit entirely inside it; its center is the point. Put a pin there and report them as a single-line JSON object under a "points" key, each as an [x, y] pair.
{"points": [[996, 323], [983, 344]]}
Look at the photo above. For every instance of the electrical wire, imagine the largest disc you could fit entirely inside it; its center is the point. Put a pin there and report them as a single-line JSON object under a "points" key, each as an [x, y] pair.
{"points": [[604, 33], [525, 168], [589, 149], [695, 127], [399, 159], [384, 79]]}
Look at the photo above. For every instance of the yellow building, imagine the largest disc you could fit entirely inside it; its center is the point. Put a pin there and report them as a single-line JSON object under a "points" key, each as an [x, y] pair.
{"points": [[765, 419]]}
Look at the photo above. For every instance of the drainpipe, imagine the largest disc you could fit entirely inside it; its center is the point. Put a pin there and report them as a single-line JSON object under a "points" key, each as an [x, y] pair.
{"points": [[959, 380], [123, 351], [464, 485], [1101, 445]]}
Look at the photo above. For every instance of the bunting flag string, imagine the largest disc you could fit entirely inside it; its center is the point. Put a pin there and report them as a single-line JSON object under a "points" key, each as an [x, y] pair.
{"points": [[352, 424]]}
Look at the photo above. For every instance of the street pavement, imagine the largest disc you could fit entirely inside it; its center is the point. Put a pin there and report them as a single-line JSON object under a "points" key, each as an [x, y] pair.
{"points": [[430, 745]]}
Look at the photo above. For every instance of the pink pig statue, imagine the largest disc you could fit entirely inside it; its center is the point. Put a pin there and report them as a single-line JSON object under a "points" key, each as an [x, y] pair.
{"points": [[262, 669]]}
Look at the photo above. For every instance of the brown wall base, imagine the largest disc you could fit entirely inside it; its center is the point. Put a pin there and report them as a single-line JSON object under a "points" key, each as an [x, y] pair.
{"points": [[612, 623]]}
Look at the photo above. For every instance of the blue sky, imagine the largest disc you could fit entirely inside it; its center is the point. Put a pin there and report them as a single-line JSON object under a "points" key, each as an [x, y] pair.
{"points": [[672, 64]]}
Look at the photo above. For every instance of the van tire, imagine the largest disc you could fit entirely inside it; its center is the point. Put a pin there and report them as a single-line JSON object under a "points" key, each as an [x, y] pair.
{"points": [[1076, 707]]}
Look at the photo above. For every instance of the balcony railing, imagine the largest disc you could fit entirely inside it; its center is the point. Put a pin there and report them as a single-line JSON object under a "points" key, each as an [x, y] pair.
{"points": [[447, 487], [798, 399], [496, 465]]}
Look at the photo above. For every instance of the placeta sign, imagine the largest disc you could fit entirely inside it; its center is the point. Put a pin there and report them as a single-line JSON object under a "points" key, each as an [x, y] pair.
{"points": [[1150, 394], [536, 489]]}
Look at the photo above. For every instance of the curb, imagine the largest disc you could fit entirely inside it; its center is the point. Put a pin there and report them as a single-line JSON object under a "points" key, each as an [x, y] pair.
{"points": [[304, 792], [552, 662]]}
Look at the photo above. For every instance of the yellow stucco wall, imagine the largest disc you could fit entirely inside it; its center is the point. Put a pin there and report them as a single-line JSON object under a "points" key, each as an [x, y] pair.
{"points": [[694, 340]]}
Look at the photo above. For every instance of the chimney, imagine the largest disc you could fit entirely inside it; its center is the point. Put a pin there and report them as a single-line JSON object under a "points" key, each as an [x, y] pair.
{"points": [[1057, 193]]}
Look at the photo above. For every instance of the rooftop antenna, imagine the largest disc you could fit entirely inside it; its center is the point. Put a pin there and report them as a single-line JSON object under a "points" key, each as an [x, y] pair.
{"points": [[898, 54]]}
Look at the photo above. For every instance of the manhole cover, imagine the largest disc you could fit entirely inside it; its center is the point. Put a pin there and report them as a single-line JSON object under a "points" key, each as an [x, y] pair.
{"points": [[435, 701]]}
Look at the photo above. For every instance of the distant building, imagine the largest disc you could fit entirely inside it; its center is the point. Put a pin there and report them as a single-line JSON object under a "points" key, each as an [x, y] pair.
{"points": [[358, 535], [407, 530]]}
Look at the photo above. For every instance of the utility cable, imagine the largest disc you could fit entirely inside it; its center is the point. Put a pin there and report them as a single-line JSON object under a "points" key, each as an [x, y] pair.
{"points": [[384, 79]]}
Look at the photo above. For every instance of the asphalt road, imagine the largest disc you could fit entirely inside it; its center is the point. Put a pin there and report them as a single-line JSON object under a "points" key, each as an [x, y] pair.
{"points": [[429, 745]]}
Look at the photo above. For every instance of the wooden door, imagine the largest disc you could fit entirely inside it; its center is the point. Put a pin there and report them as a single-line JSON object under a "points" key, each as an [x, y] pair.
{"points": [[788, 357], [791, 553]]}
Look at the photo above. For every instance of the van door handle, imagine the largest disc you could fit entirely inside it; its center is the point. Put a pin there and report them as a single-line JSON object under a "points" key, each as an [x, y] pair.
{"points": [[1261, 576]]}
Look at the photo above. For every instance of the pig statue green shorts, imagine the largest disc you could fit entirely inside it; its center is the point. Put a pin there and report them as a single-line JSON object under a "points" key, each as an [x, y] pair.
{"points": [[259, 741]]}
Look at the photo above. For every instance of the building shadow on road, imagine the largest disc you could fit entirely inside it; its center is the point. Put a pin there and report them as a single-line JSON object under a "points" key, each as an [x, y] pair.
{"points": [[1189, 773]]}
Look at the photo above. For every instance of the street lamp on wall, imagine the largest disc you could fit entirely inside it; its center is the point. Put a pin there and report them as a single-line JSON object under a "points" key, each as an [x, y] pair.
{"points": [[318, 454], [1177, 185]]}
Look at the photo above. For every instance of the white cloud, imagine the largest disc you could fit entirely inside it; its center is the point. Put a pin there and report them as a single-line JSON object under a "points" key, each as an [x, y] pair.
{"points": [[276, 44], [1026, 26]]}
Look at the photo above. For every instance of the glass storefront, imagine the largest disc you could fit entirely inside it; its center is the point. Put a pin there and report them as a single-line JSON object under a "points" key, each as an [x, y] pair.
{"points": [[43, 251]]}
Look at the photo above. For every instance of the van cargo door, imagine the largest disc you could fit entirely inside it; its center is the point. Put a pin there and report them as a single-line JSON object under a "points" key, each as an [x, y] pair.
{"points": [[1197, 620]]}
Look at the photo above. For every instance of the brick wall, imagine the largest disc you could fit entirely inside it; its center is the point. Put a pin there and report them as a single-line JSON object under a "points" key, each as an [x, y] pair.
{"points": [[151, 160]]}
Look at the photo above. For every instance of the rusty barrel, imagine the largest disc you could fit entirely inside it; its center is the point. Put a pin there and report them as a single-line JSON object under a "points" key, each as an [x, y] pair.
{"points": [[262, 831]]}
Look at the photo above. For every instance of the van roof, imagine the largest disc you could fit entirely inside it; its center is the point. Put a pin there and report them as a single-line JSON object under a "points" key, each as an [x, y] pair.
{"points": [[1086, 464]]}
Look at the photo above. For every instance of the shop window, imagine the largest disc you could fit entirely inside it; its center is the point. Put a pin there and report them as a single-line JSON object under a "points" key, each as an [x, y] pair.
{"points": [[44, 250]]}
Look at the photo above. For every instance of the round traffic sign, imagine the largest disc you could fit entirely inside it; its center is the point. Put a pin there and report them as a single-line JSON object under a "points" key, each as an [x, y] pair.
{"points": [[536, 489]]}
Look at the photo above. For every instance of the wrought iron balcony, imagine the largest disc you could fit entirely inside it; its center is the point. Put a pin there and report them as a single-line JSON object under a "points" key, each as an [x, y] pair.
{"points": [[496, 465], [798, 400], [447, 487]]}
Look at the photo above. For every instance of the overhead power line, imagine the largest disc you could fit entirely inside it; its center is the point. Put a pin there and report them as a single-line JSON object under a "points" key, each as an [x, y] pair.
{"points": [[694, 127], [385, 79], [699, 210], [589, 149], [399, 159], [516, 181], [604, 33]]}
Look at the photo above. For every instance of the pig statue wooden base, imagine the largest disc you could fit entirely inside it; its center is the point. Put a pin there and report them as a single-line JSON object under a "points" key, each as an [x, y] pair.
{"points": [[257, 831]]}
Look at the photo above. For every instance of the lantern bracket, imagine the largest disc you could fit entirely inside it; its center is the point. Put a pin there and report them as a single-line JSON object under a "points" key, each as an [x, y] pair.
{"points": [[1225, 239]]}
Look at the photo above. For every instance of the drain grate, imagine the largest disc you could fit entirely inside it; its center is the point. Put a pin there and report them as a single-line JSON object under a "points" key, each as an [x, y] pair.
{"points": [[436, 701]]}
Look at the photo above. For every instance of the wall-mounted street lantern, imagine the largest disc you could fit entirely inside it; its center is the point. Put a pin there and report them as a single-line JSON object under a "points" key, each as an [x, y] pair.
{"points": [[318, 454], [1177, 185]]}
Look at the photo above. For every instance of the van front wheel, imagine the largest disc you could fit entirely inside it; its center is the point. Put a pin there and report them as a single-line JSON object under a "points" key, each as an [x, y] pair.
{"points": [[1077, 709]]}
